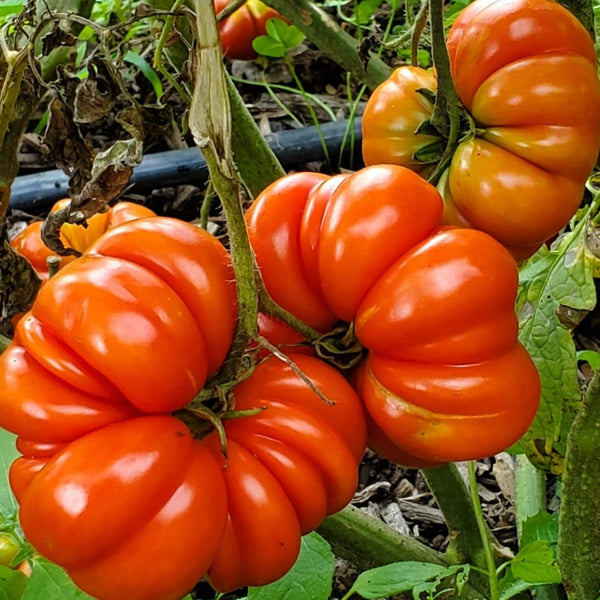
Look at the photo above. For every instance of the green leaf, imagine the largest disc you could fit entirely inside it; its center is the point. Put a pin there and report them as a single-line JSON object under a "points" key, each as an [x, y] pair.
{"points": [[557, 289], [149, 73], [509, 586], [541, 526], [401, 577], [309, 579], [289, 35], [591, 357], [536, 563], [366, 9], [11, 7], [50, 582], [12, 583], [280, 38], [267, 46], [8, 452]]}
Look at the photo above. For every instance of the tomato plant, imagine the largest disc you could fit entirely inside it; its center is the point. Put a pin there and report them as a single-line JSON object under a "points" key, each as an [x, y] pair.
{"points": [[29, 242], [525, 70], [433, 305], [238, 30]]}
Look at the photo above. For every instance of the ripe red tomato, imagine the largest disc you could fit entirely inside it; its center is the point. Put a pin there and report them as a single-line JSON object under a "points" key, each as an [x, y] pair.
{"points": [[142, 509], [123, 495], [29, 242], [134, 325], [435, 305], [526, 72], [133, 510], [288, 466], [239, 29]]}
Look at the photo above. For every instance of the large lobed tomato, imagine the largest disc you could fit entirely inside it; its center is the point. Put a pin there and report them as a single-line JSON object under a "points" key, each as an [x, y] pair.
{"points": [[127, 498], [446, 378], [141, 510], [239, 29], [29, 242], [526, 72], [133, 326]]}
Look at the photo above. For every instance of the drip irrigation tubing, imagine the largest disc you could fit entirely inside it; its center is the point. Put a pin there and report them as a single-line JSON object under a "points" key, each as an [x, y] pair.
{"points": [[37, 192]]}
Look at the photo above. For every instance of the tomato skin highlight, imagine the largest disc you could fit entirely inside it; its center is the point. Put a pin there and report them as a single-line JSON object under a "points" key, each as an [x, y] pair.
{"points": [[526, 72], [419, 309], [434, 304]]}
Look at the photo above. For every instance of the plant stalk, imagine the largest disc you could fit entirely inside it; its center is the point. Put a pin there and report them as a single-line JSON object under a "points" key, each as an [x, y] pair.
{"points": [[579, 536], [331, 39], [368, 543], [210, 123], [483, 533], [452, 496], [446, 113]]}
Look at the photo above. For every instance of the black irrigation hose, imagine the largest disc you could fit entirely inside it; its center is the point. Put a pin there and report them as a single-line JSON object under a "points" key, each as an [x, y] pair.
{"points": [[295, 147]]}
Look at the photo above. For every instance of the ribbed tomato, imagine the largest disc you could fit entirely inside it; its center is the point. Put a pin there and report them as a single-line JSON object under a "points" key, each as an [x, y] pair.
{"points": [[526, 72], [434, 305]]}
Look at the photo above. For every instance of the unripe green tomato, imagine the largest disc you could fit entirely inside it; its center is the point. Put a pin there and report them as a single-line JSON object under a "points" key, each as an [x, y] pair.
{"points": [[9, 549]]}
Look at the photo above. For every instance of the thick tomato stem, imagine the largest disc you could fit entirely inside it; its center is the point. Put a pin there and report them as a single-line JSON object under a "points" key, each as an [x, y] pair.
{"points": [[446, 113], [204, 413]]}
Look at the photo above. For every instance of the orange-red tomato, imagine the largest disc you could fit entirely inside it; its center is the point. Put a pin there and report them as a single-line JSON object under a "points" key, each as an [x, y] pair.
{"points": [[133, 510], [109, 484], [434, 304], [143, 510], [526, 72], [239, 29], [133, 326], [288, 466], [29, 242]]}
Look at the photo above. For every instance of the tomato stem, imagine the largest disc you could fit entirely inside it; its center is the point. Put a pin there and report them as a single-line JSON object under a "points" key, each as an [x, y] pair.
{"points": [[417, 31], [579, 539], [446, 111], [454, 499], [331, 39], [484, 533], [230, 8]]}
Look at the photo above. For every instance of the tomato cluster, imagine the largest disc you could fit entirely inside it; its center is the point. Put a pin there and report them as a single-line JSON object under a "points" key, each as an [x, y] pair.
{"points": [[121, 493], [122, 478], [446, 378], [525, 70]]}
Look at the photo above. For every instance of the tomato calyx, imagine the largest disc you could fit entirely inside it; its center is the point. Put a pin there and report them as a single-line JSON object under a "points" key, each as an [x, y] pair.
{"points": [[341, 347]]}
